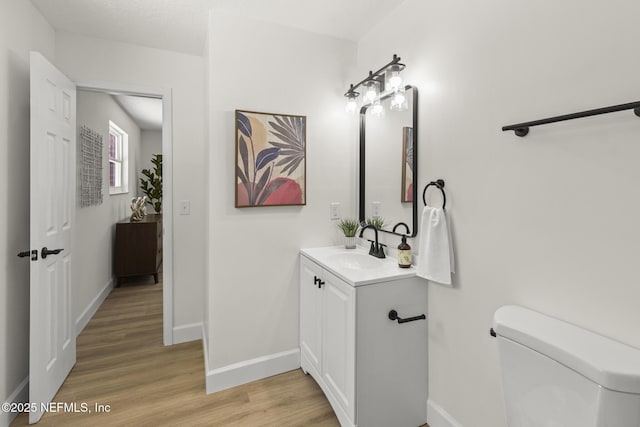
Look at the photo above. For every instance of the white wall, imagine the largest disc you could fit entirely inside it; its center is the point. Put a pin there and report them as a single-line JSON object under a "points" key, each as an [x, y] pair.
{"points": [[253, 252], [549, 221], [89, 59], [93, 237], [151, 144], [22, 29]]}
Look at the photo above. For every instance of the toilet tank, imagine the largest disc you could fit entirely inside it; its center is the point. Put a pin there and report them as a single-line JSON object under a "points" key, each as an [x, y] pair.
{"points": [[555, 374]]}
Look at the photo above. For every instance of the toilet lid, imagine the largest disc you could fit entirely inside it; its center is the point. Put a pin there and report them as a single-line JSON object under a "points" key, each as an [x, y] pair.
{"points": [[606, 362]]}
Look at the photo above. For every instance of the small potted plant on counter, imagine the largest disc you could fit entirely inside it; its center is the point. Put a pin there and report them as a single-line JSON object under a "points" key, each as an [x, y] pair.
{"points": [[349, 227]]}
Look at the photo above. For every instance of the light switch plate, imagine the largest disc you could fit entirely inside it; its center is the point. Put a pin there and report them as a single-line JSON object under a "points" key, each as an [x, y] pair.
{"points": [[185, 207], [375, 209], [334, 211]]}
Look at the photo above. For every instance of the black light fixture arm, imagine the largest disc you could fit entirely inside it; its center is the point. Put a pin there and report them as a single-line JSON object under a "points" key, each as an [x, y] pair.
{"points": [[522, 129], [377, 76]]}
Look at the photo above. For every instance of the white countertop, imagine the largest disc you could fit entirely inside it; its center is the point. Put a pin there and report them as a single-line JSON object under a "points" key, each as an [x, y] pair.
{"points": [[356, 266]]}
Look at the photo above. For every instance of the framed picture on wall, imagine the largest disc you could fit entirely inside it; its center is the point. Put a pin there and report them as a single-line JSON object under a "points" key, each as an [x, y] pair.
{"points": [[270, 159], [407, 165]]}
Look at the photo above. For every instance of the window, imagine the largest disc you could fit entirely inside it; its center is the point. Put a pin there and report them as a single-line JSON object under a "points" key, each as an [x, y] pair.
{"points": [[118, 160]]}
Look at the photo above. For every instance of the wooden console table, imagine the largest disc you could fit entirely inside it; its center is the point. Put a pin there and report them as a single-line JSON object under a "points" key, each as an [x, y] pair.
{"points": [[138, 248]]}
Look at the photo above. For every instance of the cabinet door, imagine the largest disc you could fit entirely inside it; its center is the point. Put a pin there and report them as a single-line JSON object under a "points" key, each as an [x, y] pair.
{"points": [[338, 365], [310, 317], [392, 356]]}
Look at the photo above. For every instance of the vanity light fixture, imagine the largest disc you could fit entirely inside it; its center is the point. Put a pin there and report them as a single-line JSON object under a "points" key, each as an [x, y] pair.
{"points": [[352, 103], [374, 84]]}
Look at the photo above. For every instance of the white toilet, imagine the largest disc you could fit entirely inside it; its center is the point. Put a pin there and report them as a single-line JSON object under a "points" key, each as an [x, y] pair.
{"points": [[555, 374]]}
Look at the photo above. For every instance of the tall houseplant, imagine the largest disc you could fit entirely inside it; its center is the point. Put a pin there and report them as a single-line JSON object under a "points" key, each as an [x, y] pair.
{"points": [[152, 187]]}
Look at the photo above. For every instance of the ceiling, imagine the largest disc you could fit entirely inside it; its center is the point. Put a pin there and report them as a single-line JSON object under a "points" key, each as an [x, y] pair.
{"points": [[345, 19], [146, 112], [181, 25], [178, 25]]}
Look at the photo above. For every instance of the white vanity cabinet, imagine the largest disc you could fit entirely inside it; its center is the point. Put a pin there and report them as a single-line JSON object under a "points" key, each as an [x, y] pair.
{"points": [[373, 370], [327, 311]]}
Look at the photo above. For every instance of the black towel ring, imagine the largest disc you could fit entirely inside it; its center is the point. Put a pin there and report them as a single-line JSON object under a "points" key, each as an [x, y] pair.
{"points": [[440, 184]]}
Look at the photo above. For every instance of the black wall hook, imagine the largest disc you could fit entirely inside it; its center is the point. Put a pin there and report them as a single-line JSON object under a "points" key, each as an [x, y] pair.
{"points": [[439, 183]]}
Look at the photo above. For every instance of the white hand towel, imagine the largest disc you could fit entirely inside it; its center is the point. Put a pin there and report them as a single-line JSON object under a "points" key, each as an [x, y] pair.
{"points": [[435, 260]]}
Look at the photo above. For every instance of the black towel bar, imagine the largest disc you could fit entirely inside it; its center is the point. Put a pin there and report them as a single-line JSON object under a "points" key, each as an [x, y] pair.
{"points": [[522, 129]]}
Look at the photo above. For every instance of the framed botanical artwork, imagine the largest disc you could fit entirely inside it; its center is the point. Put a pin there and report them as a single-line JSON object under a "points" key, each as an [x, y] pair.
{"points": [[270, 159], [407, 165]]}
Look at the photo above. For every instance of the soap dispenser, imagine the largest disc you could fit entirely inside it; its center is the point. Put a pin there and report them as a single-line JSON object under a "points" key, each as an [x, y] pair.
{"points": [[404, 253]]}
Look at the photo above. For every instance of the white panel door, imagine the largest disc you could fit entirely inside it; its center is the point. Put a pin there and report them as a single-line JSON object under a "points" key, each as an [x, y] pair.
{"points": [[53, 148], [310, 317], [338, 357]]}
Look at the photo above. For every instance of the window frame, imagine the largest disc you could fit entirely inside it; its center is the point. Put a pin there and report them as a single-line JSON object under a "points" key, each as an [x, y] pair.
{"points": [[121, 159]]}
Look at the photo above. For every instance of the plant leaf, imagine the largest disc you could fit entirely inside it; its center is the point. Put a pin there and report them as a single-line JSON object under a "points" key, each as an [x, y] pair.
{"points": [[290, 128], [266, 156], [273, 186], [244, 154], [290, 131], [285, 134], [244, 125], [241, 175], [262, 181], [290, 163], [244, 179]]}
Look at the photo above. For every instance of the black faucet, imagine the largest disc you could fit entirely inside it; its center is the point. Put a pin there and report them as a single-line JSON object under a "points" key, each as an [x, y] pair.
{"points": [[377, 249]]}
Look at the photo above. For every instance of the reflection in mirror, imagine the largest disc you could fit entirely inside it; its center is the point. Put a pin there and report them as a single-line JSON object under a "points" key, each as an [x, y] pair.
{"points": [[388, 164]]}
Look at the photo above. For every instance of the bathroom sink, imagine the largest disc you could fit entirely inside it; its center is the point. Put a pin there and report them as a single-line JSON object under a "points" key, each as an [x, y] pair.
{"points": [[355, 261], [356, 266]]}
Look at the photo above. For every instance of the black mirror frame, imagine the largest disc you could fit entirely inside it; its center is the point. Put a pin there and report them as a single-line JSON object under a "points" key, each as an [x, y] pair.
{"points": [[363, 122]]}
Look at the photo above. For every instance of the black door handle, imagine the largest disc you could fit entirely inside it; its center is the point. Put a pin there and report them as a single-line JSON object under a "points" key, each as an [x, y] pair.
{"points": [[45, 252], [393, 315], [33, 253]]}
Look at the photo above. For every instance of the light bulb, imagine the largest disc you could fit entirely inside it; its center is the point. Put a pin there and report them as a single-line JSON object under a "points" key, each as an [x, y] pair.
{"points": [[399, 101], [394, 80], [371, 92], [351, 106], [378, 109]]}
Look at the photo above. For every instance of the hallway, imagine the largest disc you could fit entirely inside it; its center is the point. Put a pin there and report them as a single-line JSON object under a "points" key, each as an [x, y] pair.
{"points": [[123, 366]]}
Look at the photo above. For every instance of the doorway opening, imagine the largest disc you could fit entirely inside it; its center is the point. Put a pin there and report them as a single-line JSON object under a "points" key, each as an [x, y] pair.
{"points": [[165, 97]]}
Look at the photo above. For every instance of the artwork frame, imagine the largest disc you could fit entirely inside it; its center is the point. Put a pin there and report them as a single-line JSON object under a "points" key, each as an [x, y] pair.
{"points": [[270, 159], [406, 191]]}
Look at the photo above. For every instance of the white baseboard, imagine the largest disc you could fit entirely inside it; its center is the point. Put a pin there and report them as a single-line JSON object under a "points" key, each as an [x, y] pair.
{"points": [[186, 333], [88, 313], [20, 394], [252, 370], [438, 417]]}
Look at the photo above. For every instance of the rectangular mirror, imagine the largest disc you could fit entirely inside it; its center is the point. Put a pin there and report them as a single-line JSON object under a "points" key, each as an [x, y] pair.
{"points": [[388, 164]]}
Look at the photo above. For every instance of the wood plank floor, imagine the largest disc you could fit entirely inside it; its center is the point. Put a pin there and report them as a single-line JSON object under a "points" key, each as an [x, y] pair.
{"points": [[121, 362]]}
